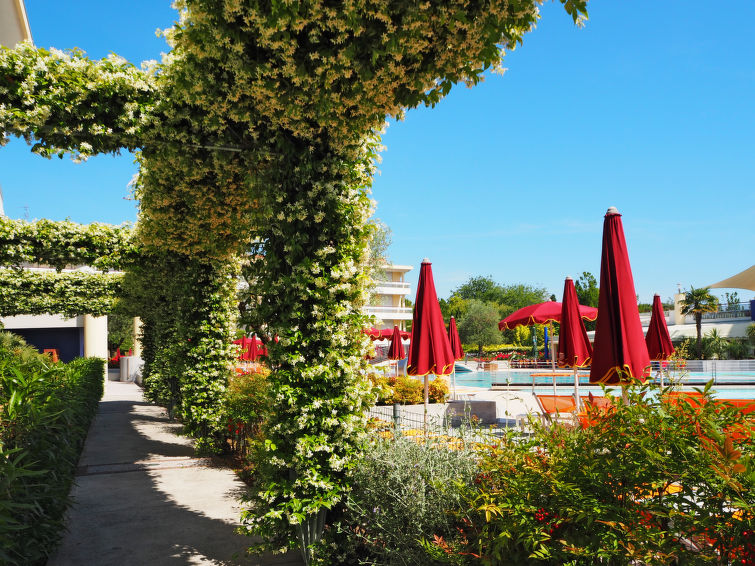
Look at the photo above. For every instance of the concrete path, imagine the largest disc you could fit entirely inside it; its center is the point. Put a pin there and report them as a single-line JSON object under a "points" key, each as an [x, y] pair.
{"points": [[142, 498]]}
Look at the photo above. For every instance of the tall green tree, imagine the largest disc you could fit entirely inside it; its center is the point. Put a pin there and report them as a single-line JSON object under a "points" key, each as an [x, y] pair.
{"points": [[587, 289], [479, 325], [696, 302]]}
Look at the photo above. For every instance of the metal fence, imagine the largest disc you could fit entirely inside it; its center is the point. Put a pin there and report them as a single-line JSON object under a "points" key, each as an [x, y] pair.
{"points": [[409, 420]]}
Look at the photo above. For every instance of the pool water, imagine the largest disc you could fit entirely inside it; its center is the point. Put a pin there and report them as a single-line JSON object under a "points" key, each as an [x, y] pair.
{"points": [[733, 385]]}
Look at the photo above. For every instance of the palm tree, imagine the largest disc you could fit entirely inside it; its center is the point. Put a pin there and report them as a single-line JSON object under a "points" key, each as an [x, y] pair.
{"points": [[697, 302]]}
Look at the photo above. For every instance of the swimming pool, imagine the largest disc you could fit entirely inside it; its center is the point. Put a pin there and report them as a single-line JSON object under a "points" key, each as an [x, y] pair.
{"points": [[730, 385]]}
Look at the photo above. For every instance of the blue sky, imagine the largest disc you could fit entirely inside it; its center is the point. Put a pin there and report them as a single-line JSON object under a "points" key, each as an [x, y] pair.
{"points": [[648, 108]]}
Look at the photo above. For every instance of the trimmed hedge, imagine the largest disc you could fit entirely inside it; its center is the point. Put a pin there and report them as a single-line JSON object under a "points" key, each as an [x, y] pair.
{"points": [[45, 413]]}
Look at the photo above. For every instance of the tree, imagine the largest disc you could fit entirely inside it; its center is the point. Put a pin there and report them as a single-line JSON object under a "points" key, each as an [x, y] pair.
{"points": [[697, 302], [587, 289], [479, 325], [481, 288]]}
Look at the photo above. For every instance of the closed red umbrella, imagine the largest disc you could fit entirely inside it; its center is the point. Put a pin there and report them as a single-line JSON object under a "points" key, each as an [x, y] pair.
{"points": [[429, 350], [619, 350], [657, 338], [396, 350], [256, 349], [456, 349], [243, 344], [542, 313], [574, 349]]}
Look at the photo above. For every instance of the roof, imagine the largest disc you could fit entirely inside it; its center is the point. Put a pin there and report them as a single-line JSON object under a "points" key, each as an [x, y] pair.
{"points": [[742, 280], [14, 24]]}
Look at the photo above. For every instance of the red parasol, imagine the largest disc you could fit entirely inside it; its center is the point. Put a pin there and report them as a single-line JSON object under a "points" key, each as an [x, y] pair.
{"points": [[256, 348], [574, 348], [243, 344], [383, 334], [396, 351], [453, 339], [429, 350], [620, 351], [542, 313], [657, 339], [456, 349]]}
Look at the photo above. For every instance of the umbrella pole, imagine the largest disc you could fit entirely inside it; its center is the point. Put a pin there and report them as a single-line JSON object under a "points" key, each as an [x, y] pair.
{"points": [[576, 389], [554, 386], [453, 383], [427, 400]]}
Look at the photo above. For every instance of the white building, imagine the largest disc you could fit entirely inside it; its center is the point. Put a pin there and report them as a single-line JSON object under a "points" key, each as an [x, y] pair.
{"points": [[389, 297], [14, 25]]}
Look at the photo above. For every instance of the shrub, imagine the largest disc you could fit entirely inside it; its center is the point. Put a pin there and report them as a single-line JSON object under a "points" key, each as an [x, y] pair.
{"points": [[45, 414], [408, 390], [655, 481], [245, 405], [401, 491]]}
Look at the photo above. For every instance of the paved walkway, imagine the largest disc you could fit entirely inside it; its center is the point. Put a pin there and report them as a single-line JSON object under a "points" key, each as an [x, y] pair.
{"points": [[142, 498]]}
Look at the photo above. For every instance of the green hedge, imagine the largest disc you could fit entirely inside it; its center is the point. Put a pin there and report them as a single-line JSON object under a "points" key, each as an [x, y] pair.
{"points": [[65, 243], [70, 293], [45, 412]]}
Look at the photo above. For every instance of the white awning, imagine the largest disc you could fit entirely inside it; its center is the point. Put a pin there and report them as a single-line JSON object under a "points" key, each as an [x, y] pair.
{"points": [[14, 25], [743, 280]]}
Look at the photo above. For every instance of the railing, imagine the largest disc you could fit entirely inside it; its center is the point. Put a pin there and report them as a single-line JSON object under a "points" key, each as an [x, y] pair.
{"points": [[736, 310], [396, 284], [388, 310], [409, 420]]}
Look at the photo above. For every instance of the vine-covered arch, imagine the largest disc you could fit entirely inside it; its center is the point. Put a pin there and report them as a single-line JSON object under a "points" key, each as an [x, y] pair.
{"points": [[59, 245], [260, 130]]}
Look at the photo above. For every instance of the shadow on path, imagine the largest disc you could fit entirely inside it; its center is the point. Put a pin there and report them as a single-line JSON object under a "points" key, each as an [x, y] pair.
{"points": [[143, 499]]}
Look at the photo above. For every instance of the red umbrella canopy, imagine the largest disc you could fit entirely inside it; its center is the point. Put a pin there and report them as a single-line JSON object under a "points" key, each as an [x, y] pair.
{"points": [[574, 349], [396, 351], [429, 351], [243, 344], [657, 339], [542, 313], [453, 339], [619, 350], [256, 348]]}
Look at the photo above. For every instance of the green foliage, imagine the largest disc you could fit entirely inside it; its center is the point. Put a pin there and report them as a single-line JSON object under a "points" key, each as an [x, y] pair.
{"points": [[246, 404], [697, 302], [262, 126], [401, 491], [66, 103], [623, 490], [120, 330], [188, 308], [69, 293], [479, 325], [751, 333], [59, 245], [408, 390], [45, 413], [65, 244], [587, 289]]}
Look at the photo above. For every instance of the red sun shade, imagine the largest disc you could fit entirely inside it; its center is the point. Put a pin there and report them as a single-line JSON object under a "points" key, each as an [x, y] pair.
{"points": [[542, 313], [429, 351], [574, 348], [619, 350], [454, 341], [657, 339], [396, 351]]}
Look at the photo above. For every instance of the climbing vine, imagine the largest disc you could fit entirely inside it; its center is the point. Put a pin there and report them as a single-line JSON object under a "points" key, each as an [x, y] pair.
{"points": [[261, 126], [47, 292], [65, 244]]}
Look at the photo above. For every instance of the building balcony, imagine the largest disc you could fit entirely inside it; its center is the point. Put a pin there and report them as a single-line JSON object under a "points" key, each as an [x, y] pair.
{"points": [[389, 313], [392, 288]]}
